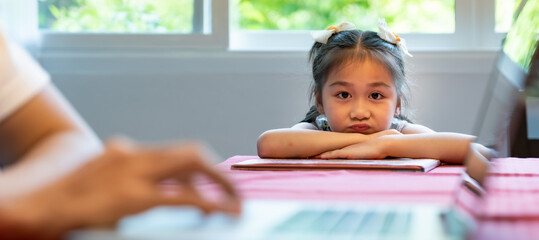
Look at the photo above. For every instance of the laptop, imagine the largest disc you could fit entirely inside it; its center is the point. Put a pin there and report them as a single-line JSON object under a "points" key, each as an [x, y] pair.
{"points": [[504, 98], [290, 219]]}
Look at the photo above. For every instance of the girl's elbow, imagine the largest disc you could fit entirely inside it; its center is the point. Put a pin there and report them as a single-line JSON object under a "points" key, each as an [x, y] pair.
{"points": [[264, 145], [262, 150]]}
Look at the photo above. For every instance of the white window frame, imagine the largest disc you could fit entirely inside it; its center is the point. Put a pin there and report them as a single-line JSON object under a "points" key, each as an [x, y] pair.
{"points": [[474, 30]]}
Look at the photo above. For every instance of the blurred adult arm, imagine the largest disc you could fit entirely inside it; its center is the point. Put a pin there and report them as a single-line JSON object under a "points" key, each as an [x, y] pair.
{"points": [[43, 140], [41, 135], [56, 175], [126, 179]]}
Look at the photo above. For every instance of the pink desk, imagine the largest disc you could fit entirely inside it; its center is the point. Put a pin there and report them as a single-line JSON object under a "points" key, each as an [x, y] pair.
{"points": [[513, 190], [345, 185]]}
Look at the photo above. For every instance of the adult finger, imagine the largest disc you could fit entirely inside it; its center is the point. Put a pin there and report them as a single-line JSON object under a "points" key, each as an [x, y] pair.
{"points": [[193, 158], [120, 144], [189, 195], [186, 198], [230, 203]]}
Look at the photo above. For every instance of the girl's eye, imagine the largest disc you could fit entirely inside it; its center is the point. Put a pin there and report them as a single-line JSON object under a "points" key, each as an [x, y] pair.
{"points": [[343, 95], [376, 96]]}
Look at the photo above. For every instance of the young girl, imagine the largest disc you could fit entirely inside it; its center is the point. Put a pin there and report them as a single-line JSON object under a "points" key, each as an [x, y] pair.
{"points": [[360, 89]]}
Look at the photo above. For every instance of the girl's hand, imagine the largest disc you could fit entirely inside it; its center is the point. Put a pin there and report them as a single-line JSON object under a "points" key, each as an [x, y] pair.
{"points": [[383, 133], [361, 149], [372, 149], [369, 149]]}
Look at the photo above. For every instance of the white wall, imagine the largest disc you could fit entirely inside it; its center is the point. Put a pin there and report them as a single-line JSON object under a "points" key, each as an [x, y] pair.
{"points": [[229, 98]]}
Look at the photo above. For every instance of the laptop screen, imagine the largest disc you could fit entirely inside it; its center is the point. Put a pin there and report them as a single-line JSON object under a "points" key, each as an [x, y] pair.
{"points": [[505, 85]]}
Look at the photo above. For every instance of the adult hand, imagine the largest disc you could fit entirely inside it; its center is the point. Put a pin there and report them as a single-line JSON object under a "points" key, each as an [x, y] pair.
{"points": [[125, 179]]}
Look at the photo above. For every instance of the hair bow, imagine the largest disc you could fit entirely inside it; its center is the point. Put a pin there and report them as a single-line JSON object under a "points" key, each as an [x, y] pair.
{"points": [[391, 37], [323, 35]]}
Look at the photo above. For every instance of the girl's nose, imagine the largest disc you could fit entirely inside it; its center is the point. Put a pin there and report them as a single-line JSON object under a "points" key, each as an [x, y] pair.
{"points": [[360, 111]]}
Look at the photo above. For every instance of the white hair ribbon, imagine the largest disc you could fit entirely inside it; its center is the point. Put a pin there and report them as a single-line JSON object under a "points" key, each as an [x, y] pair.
{"points": [[323, 35], [391, 37]]}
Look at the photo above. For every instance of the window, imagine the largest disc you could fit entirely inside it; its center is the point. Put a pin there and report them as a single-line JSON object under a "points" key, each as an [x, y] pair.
{"points": [[268, 24]]}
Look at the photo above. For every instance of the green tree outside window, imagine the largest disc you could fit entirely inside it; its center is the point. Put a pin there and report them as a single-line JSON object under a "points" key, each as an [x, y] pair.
{"points": [[116, 15]]}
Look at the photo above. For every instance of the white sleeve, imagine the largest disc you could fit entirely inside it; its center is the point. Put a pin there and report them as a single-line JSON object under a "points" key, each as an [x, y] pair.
{"points": [[21, 77]]}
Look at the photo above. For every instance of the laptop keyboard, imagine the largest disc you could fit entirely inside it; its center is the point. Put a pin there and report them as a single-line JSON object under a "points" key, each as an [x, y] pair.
{"points": [[348, 222]]}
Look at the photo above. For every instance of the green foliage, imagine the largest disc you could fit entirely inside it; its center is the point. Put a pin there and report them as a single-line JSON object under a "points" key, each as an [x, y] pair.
{"points": [[504, 13], [524, 35], [401, 15], [117, 15]]}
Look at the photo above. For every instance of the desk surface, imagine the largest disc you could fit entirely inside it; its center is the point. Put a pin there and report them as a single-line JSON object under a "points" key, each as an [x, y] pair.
{"points": [[346, 185], [512, 203]]}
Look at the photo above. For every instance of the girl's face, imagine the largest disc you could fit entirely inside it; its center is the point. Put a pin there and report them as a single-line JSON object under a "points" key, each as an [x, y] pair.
{"points": [[359, 97]]}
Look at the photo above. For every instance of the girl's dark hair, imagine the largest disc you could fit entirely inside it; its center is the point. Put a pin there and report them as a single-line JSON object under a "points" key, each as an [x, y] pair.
{"points": [[356, 45]]}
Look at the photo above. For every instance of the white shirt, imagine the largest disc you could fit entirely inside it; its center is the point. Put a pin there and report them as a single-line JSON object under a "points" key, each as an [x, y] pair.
{"points": [[21, 77]]}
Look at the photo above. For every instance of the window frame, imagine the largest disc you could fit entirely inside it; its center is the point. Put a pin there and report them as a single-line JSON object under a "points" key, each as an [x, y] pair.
{"points": [[474, 30]]}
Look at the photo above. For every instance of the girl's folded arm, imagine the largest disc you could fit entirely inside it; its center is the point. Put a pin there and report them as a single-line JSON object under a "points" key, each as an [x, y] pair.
{"points": [[411, 128], [445, 146], [302, 142]]}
